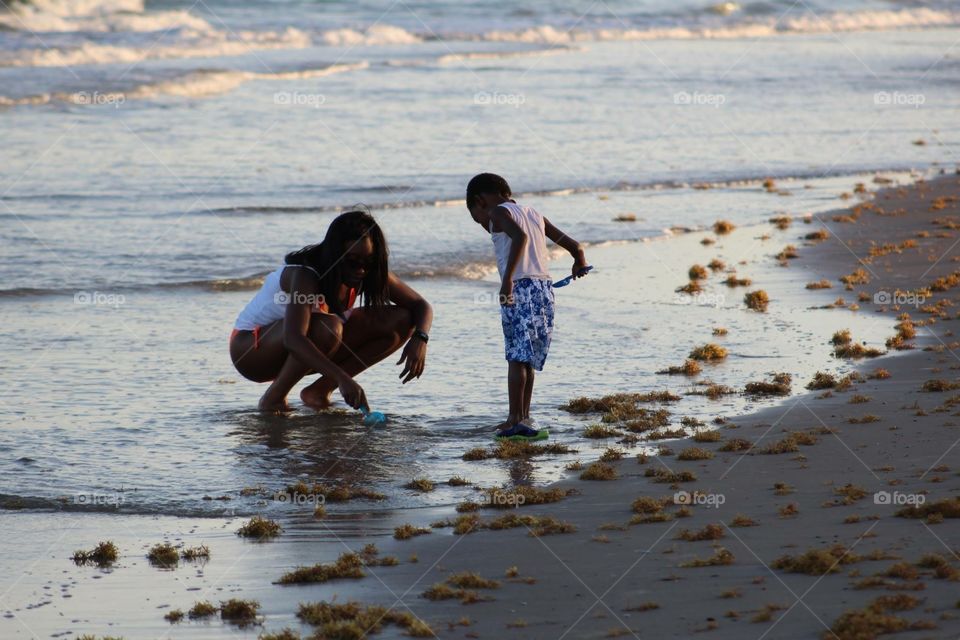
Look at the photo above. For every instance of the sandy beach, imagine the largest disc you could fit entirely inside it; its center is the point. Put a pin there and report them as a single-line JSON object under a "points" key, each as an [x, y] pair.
{"points": [[750, 399], [784, 522], [875, 447]]}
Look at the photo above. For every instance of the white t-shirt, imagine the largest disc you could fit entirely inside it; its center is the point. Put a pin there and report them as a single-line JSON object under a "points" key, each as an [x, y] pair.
{"points": [[533, 260]]}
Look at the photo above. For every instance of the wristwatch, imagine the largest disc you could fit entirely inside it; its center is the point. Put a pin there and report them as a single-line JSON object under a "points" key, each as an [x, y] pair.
{"points": [[417, 333]]}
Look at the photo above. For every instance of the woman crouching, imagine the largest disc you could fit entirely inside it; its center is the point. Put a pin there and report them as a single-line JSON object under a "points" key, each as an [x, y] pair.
{"points": [[303, 320]]}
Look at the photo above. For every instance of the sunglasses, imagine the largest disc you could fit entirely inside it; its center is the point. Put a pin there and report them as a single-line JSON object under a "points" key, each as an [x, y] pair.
{"points": [[354, 263]]}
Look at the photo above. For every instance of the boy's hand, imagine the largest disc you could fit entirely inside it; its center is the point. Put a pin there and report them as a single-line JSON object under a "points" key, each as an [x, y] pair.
{"points": [[579, 264], [506, 294]]}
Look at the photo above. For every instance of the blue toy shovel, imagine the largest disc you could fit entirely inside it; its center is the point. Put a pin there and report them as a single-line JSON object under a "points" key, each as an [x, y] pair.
{"points": [[372, 418], [565, 281]]}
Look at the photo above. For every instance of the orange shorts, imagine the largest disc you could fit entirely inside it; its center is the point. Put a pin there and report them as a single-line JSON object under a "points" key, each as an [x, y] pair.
{"points": [[256, 336]]}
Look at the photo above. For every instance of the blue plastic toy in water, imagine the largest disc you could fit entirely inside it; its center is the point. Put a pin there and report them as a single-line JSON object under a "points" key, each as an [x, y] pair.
{"points": [[565, 281], [371, 418]]}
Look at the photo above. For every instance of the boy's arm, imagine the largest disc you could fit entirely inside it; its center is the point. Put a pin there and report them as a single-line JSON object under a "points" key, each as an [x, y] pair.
{"points": [[518, 242], [571, 245]]}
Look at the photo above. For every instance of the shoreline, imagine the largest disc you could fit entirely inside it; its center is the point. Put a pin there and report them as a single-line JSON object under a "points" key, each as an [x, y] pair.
{"points": [[572, 576], [766, 602]]}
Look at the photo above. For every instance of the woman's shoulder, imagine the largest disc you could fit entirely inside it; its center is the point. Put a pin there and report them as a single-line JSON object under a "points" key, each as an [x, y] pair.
{"points": [[302, 274]]}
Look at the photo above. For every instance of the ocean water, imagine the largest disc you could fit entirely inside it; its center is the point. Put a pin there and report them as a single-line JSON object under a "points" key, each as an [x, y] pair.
{"points": [[160, 157]]}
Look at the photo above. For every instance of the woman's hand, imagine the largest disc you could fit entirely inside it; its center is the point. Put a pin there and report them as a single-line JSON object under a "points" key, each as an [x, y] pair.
{"points": [[414, 358], [353, 393]]}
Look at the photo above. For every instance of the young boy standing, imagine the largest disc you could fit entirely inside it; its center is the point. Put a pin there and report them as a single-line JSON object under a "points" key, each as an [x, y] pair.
{"points": [[519, 236]]}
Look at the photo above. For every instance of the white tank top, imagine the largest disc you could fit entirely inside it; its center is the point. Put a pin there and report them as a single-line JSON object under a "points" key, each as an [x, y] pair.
{"points": [[533, 260], [269, 305]]}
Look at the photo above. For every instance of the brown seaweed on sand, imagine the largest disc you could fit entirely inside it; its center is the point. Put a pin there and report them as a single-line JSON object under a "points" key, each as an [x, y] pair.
{"points": [[733, 281], [720, 557], [817, 562], [779, 386], [350, 620], [599, 471], [723, 227], [260, 528], [709, 352], [103, 555], [757, 300], [348, 565], [242, 613], [423, 485], [407, 531], [694, 453], [164, 555], [202, 609], [697, 272], [688, 368]]}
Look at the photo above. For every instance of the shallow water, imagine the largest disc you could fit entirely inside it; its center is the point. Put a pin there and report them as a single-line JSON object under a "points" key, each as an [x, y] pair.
{"points": [[154, 420], [159, 160]]}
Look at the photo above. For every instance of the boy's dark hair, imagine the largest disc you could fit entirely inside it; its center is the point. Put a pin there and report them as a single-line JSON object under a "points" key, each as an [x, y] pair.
{"points": [[487, 183], [325, 258]]}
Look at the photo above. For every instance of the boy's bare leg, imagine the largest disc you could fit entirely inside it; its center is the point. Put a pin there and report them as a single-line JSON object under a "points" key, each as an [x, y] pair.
{"points": [[516, 385], [528, 391]]}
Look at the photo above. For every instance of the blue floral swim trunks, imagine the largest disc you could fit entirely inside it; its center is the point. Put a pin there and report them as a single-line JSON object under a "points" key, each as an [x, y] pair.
{"points": [[528, 322]]}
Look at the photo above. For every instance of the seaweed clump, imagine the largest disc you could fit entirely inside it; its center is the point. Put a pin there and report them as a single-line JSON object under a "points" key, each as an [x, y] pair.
{"points": [[709, 532], [599, 471], [697, 272], [242, 613], [723, 227], [757, 300], [163, 555], [103, 555], [347, 566], [423, 485], [666, 476], [351, 620], [260, 528], [688, 368], [822, 380], [856, 351], [202, 609], [200, 552], [720, 557], [875, 619], [620, 406], [694, 453], [709, 352], [333, 493], [733, 281], [817, 562], [407, 531], [505, 498], [779, 386], [946, 508]]}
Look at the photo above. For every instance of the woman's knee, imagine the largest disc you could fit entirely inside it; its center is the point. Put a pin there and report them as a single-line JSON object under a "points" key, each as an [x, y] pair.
{"points": [[326, 332], [402, 322]]}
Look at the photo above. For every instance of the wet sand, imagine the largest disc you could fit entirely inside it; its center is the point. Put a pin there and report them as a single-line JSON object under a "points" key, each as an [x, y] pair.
{"points": [[609, 578], [588, 581]]}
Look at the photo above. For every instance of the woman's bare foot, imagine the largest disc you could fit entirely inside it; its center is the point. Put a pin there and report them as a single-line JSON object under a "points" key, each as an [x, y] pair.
{"points": [[271, 404], [317, 396]]}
